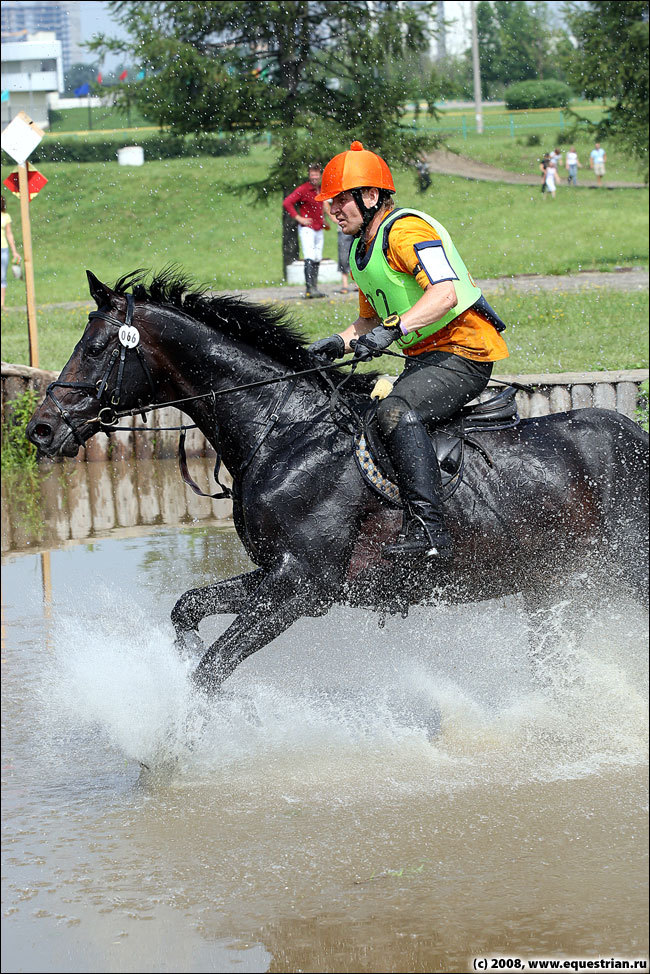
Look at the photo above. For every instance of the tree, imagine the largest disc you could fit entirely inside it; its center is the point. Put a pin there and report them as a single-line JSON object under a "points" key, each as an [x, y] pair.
{"points": [[489, 39], [516, 43], [311, 73], [611, 64]]}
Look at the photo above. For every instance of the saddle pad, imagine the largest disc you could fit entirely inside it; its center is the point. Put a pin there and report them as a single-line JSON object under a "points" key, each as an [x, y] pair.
{"points": [[372, 475]]}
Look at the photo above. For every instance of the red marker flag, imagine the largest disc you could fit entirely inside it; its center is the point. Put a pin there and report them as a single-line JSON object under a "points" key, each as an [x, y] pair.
{"points": [[123, 76], [35, 183], [99, 79]]}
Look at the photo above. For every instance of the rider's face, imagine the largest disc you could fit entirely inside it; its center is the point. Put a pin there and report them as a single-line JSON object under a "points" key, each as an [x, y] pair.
{"points": [[346, 212]]}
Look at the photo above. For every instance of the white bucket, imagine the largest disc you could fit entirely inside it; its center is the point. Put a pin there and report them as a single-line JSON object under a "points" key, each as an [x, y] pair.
{"points": [[130, 155], [328, 272]]}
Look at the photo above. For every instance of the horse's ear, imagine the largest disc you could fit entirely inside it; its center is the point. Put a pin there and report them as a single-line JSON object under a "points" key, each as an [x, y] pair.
{"points": [[100, 293]]}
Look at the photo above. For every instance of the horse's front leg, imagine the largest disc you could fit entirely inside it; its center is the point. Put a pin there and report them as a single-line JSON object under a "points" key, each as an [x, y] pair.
{"points": [[232, 595], [287, 593]]}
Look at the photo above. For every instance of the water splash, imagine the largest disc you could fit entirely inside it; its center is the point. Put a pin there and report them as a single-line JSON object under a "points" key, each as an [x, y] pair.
{"points": [[440, 701]]}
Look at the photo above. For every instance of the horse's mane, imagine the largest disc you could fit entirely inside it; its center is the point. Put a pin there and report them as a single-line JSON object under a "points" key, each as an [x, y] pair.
{"points": [[271, 329]]}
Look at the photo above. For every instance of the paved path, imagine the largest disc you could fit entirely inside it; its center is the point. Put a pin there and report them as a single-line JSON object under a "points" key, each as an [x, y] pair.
{"points": [[625, 279], [450, 164]]}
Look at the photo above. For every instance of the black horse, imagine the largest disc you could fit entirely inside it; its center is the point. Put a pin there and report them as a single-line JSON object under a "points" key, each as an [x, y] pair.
{"points": [[554, 496]]}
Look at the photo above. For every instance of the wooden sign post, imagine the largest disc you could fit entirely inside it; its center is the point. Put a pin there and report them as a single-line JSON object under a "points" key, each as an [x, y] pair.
{"points": [[28, 264], [19, 140]]}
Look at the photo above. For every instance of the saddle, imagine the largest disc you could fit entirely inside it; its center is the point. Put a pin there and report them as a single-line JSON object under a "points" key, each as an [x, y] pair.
{"points": [[449, 439]]}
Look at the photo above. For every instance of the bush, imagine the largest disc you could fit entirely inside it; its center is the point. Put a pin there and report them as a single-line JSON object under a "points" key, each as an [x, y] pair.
{"points": [[155, 148], [17, 451], [537, 94], [534, 139]]}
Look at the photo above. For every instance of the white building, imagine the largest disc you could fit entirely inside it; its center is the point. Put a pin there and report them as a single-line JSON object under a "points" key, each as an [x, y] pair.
{"points": [[31, 71], [20, 18]]}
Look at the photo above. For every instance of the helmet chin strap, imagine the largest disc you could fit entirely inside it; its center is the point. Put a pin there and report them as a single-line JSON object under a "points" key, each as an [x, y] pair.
{"points": [[367, 212]]}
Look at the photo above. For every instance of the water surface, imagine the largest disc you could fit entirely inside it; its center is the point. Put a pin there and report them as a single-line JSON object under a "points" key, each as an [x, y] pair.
{"points": [[361, 799]]}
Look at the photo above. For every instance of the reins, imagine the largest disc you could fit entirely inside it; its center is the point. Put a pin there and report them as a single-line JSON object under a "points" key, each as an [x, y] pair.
{"points": [[109, 416], [212, 394]]}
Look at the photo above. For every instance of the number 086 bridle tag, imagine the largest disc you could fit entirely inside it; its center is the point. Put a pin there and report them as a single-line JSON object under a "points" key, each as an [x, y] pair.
{"points": [[129, 336]]}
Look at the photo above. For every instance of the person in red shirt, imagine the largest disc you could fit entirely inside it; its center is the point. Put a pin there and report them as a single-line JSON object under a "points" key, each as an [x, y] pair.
{"points": [[311, 222]]}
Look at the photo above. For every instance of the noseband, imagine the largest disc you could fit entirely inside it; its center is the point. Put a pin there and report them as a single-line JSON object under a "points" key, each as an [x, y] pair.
{"points": [[126, 335]]}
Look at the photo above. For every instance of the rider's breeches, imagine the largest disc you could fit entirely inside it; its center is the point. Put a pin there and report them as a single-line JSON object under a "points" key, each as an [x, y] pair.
{"points": [[435, 386], [311, 243]]}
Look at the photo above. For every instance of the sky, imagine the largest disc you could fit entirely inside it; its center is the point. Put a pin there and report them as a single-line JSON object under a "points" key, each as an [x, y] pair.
{"points": [[96, 19]]}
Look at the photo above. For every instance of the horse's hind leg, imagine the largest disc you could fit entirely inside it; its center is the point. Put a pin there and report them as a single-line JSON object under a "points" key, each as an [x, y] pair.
{"points": [[232, 595]]}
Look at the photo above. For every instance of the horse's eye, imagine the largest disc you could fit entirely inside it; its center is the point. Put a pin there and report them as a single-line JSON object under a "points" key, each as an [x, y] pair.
{"points": [[96, 348]]}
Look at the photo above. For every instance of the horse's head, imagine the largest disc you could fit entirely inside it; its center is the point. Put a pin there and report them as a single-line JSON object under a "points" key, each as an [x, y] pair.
{"points": [[106, 372]]}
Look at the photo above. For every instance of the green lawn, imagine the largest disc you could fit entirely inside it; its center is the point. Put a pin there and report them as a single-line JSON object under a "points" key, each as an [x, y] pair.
{"points": [[103, 118], [549, 332], [113, 219]]}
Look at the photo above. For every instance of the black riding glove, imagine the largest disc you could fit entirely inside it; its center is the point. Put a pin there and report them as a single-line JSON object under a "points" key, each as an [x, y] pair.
{"points": [[375, 342], [328, 348]]}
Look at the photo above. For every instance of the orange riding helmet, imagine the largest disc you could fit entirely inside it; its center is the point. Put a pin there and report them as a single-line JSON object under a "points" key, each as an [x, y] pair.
{"points": [[354, 169]]}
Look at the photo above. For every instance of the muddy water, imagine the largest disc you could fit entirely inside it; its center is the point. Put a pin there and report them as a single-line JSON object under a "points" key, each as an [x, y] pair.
{"points": [[403, 799]]}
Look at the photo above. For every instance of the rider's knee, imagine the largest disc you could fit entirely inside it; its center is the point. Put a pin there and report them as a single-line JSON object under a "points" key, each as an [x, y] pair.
{"points": [[389, 413]]}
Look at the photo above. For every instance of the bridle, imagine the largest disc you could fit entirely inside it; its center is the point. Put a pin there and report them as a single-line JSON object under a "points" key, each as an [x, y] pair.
{"points": [[127, 334], [109, 415]]}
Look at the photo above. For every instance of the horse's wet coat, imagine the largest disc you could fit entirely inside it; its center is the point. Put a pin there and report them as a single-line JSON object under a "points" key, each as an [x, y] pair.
{"points": [[565, 491]]}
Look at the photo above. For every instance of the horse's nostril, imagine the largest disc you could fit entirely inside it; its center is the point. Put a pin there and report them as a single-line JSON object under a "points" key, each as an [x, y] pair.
{"points": [[42, 432]]}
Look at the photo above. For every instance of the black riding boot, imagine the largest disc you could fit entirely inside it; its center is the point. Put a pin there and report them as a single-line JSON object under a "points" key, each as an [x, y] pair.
{"points": [[308, 278], [311, 274], [315, 292], [418, 478]]}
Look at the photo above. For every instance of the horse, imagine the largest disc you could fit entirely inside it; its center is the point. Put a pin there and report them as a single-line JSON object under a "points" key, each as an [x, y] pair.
{"points": [[538, 502]]}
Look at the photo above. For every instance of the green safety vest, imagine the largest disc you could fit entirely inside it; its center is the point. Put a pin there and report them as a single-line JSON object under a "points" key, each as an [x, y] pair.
{"points": [[393, 292]]}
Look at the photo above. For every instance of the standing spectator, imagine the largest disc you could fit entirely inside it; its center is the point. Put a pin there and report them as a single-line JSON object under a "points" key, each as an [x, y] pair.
{"points": [[7, 242], [556, 158], [312, 224], [551, 178], [597, 159], [572, 165], [424, 175], [543, 166], [344, 245]]}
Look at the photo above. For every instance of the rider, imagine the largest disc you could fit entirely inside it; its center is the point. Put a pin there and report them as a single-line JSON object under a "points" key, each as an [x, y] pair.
{"points": [[414, 290]]}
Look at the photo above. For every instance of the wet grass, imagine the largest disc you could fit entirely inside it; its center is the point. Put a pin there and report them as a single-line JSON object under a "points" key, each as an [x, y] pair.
{"points": [[553, 331], [113, 219]]}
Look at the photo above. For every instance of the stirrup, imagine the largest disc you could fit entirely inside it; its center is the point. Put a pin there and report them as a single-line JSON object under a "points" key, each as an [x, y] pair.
{"points": [[421, 542]]}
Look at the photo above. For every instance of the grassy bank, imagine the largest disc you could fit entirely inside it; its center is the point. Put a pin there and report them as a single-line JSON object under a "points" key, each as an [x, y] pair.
{"points": [[102, 118], [548, 332], [113, 219], [504, 141]]}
